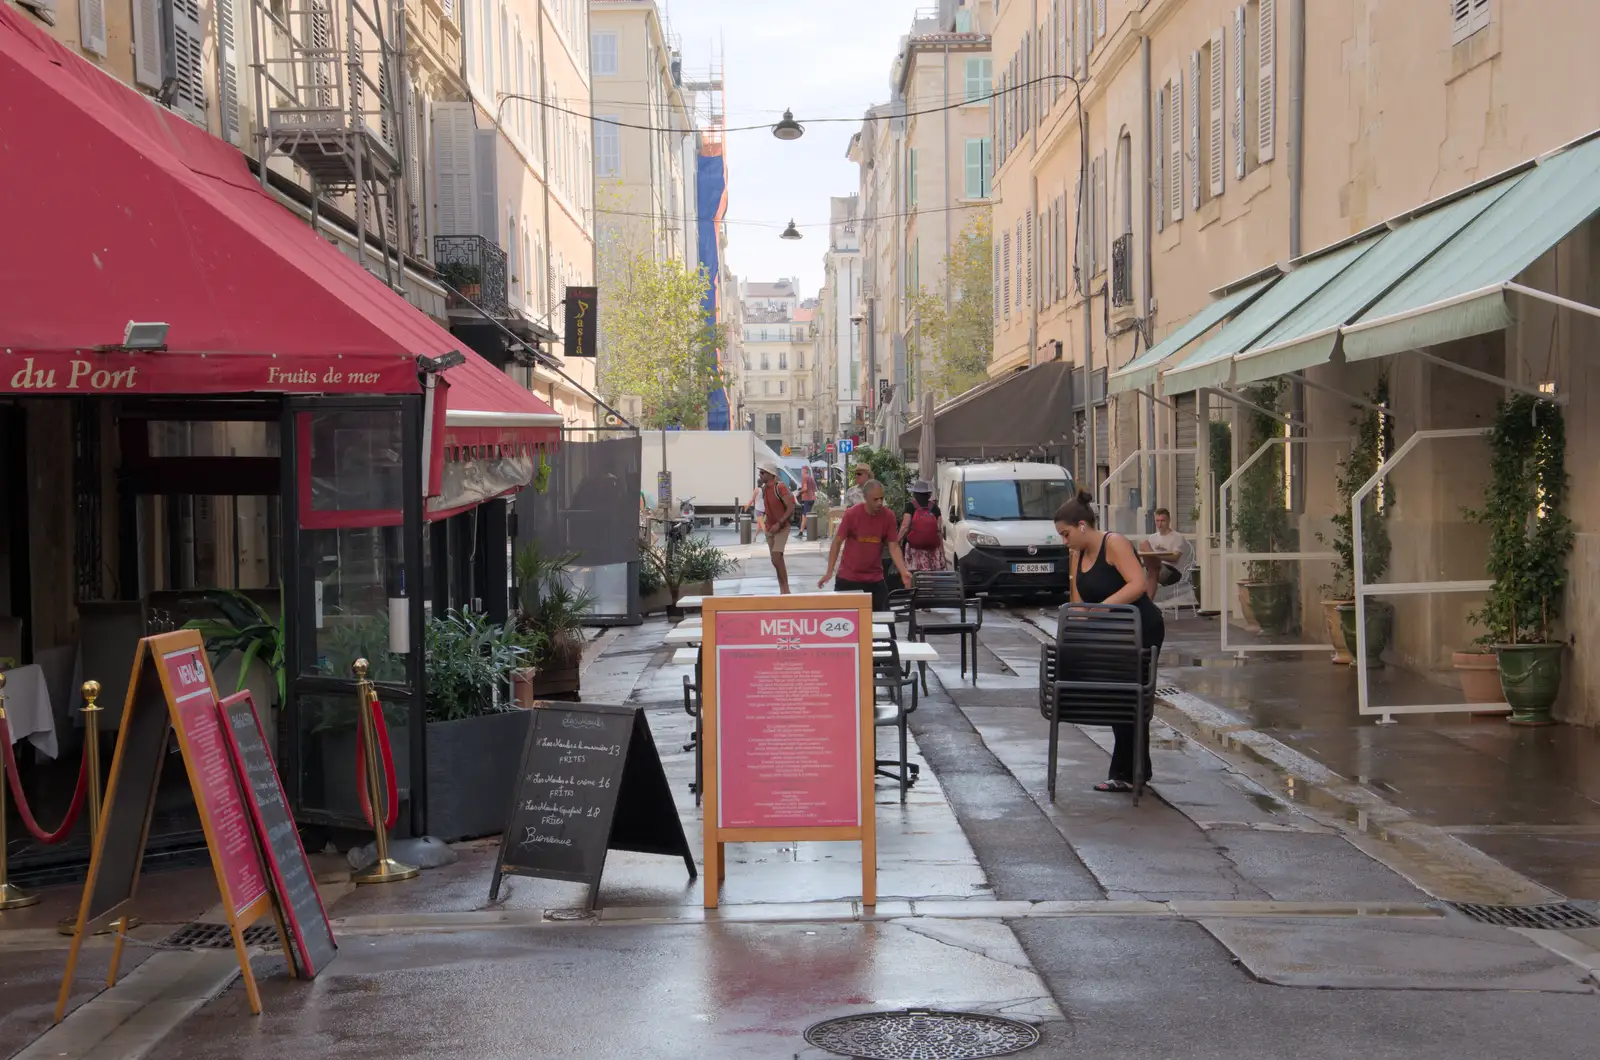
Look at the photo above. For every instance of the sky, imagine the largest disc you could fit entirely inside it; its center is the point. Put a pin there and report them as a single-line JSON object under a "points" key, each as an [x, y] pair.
{"points": [[820, 58]]}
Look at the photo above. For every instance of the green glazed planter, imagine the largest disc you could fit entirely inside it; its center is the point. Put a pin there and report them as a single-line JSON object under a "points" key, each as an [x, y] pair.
{"points": [[1270, 603], [1380, 626], [1530, 675]]}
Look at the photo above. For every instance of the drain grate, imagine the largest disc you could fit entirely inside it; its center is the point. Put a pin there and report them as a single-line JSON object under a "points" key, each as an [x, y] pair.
{"points": [[1560, 916], [216, 937], [922, 1034], [1167, 691]]}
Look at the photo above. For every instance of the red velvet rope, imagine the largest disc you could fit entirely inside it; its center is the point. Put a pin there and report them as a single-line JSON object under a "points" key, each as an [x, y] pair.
{"points": [[391, 794], [15, 782]]}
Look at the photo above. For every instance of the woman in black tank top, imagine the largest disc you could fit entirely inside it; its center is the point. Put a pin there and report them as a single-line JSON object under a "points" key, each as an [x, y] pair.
{"points": [[1108, 571]]}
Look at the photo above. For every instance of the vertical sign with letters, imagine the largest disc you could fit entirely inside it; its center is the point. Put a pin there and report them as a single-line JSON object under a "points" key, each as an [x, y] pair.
{"points": [[582, 321]]}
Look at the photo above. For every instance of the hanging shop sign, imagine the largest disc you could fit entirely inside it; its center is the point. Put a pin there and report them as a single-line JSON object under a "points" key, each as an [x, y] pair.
{"points": [[788, 726], [582, 320]]}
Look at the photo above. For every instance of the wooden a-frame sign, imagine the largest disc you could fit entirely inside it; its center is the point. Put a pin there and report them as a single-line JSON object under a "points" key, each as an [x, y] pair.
{"points": [[172, 686]]}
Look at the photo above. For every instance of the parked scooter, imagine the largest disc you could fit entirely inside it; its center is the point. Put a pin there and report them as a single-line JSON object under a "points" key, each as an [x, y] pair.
{"points": [[679, 529]]}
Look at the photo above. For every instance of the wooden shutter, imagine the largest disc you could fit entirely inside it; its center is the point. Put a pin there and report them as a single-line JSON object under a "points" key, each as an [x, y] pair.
{"points": [[1480, 15], [1102, 432], [1102, 231], [1239, 65], [487, 182], [228, 72], [1192, 149], [1099, 19], [1185, 486], [92, 26], [1218, 87], [1460, 20], [148, 48], [1005, 278], [1175, 146], [1029, 285], [996, 303], [1267, 105], [412, 117], [188, 59], [1158, 171], [1064, 244], [453, 169]]}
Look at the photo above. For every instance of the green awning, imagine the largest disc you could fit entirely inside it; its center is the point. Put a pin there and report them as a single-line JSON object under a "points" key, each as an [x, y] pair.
{"points": [[1308, 336], [1459, 291], [1140, 373], [1212, 364]]}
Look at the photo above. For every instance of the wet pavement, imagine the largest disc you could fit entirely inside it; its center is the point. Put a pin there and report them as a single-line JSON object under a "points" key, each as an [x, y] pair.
{"points": [[1223, 917]]}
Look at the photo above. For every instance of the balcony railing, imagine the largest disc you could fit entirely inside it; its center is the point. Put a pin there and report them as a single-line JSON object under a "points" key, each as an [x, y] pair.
{"points": [[475, 267], [1122, 270]]}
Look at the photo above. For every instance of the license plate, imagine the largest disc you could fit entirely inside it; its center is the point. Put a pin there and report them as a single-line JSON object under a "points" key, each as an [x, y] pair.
{"points": [[1033, 568]]}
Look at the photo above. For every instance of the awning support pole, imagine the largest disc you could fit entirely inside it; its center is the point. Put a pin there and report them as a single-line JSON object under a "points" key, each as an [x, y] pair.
{"points": [[1490, 377], [1553, 299], [1342, 396], [1227, 395]]}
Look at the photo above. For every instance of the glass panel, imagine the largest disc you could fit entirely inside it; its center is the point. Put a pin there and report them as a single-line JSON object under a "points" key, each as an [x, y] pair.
{"points": [[351, 575], [328, 744], [213, 438], [208, 542], [355, 461]]}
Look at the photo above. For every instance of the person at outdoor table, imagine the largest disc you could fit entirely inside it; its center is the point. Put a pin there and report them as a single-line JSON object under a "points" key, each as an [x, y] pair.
{"points": [[852, 496], [777, 504], [921, 531], [1108, 572], [1168, 543], [858, 548], [808, 497]]}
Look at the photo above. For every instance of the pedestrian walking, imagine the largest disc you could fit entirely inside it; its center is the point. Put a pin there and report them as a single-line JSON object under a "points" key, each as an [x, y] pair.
{"points": [[922, 530], [1106, 570], [852, 496], [808, 497], [858, 548], [776, 506]]}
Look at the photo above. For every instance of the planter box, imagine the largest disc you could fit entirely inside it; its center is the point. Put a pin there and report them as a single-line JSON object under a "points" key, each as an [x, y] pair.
{"points": [[656, 602], [472, 773]]}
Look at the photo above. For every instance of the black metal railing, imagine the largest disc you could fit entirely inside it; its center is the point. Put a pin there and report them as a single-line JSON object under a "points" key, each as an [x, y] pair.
{"points": [[477, 268], [1122, 269]]}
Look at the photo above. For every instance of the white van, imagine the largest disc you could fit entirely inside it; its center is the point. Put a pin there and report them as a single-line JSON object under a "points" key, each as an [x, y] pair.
{"points": [[999, 526]]}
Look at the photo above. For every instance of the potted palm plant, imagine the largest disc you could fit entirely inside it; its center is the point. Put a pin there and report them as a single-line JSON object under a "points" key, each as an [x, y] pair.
{"points": [[552, 613], [1374, 441], [1261, 521], [1530, 537], [688, 568]]}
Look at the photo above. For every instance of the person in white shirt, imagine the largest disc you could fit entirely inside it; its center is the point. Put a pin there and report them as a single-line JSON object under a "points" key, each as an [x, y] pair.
{"points": [[1167, 540]]}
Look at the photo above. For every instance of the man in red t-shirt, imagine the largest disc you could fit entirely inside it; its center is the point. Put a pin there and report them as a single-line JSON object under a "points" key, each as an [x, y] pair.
{"points": [[777, 506], [863, 532]]}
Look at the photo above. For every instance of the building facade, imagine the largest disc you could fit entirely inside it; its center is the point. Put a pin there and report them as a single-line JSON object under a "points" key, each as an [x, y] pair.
{"points": [[1222, 144], [839, 341], [776, 359]]}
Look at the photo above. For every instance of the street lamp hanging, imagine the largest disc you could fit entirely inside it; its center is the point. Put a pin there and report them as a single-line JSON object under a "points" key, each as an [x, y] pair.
{"points": [[788, 128], [791, 232]]}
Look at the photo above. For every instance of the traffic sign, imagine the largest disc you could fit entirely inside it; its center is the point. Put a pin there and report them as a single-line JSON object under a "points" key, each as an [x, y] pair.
{"points": [[786, 450], [846, 446]]}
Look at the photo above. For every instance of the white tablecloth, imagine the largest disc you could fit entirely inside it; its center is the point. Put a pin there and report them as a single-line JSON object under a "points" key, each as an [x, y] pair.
{"points": [[28, 709]]}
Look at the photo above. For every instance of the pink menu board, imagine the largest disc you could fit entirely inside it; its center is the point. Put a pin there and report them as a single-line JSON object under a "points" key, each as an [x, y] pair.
{"points": [[788, 719], [216, 786]]}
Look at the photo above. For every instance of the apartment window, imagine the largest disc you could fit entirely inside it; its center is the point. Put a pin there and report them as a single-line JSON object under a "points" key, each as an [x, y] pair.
{"points": [[603, 54], [800, 414], [745, 359], [800, 363], [1466, 18], [783, 387], [766, 387], [911, 176], [980, 77], [800, 391], [1028, 90], [774, 423], [980, 157], [607, 147], [783, 362], [765, 364]]}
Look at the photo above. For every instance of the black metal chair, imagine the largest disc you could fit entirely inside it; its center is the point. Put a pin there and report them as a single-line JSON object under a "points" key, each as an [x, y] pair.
{"points": [[1098, 672], [938, 590], [889, 681], [691, 707]]}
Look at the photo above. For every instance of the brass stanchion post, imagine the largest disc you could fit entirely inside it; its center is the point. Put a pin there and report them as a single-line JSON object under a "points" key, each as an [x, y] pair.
{"points": [[385, 869], [10, 896], [91, 748]]}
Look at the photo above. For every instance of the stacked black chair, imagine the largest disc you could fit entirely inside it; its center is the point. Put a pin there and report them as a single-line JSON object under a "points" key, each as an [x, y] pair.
{"points": [[691, 707], [890, 707], [938, 590], [1098, 672]]}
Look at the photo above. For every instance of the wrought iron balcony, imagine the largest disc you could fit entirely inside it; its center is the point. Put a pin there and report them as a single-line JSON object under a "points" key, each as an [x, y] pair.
{"points": [[1122, 270], [475, 267]]}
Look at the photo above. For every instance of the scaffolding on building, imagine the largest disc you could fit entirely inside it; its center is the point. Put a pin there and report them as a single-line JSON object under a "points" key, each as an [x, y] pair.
{"points": [[325, 72], [710, 106]]}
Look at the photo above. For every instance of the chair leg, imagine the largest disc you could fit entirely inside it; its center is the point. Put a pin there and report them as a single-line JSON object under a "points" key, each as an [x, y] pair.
{"points": [[922, 669], [974, 659], [962, 639], [904, 769], [1055, 737], [699, 760], [1141, 740]]}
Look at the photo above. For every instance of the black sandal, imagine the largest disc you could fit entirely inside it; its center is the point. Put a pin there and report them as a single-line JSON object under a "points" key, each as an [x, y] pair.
{"points": [[1114, 787]]}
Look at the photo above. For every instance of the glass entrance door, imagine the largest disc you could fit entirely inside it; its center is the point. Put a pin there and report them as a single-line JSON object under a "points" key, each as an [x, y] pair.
{"points": [[354, 591]]}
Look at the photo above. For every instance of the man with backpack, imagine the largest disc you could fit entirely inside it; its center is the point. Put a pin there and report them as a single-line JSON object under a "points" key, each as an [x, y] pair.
{"points": [[777, 504], [921, 531]]}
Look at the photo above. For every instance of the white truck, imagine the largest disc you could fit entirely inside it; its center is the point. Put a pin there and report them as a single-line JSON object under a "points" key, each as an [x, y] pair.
{"points": [[714, 470], [999, 527]]}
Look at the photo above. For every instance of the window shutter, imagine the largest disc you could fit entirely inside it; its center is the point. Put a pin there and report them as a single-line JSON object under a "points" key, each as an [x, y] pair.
{"points": [[996, 303], [227, 71], [1218, 88], [1005, 278], [1099, 19], [147, 43], [1192, 150], [453, 169], [1158, 174], [188, 59], [415, 123], [1069, 39], [1480, 15], [1239, 64], [1102, 236], [1082, 38], [1175, 146], [1021, 268], [1029, 285], [1267, 39], [1460, 20], [92, 26]]}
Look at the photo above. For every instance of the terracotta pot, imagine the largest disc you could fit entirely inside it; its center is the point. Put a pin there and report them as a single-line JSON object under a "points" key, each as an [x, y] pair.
{"points": [[1250, 623], [522, 687], [1480, 679], [1335, 628]]}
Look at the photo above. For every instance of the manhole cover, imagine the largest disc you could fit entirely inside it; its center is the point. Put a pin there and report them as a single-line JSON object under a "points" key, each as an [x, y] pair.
{"points": [[1168, 691], [216, 937], [1560, 916], [922, 1034]]}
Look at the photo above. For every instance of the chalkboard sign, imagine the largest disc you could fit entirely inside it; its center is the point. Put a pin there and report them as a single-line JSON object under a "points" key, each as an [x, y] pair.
{"points": [[591, 781], [292, 881]]}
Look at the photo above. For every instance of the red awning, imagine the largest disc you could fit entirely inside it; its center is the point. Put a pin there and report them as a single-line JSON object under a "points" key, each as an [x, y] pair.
{"points": [[116, 209]]}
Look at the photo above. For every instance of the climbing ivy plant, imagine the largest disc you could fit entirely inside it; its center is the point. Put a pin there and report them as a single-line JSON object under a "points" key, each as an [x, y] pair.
{"points": [[1374, 442], [1530, 534], [1261, 520]]}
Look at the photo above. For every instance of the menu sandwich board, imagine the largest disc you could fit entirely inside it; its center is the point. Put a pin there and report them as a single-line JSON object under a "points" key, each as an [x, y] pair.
{"points": [[788, 726], [172, 687]]}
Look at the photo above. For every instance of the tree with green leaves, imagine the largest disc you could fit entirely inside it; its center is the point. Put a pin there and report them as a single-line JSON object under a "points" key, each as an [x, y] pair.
{"points": [[954, 343], [656, 340]]}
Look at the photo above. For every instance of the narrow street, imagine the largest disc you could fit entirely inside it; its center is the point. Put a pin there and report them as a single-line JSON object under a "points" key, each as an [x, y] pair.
{"points": [[1219, 918]]}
